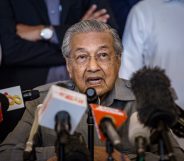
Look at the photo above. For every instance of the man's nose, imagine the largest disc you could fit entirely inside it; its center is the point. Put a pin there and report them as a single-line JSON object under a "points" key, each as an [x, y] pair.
{"points": [[93, 64]]}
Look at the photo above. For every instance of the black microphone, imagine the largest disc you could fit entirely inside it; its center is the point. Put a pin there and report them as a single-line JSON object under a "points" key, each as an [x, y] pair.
{"points": [[92, 98], [63, 125], [30, 95], [138, 134], [69, 147], [155, 105], [154, 98], [108, 128]]}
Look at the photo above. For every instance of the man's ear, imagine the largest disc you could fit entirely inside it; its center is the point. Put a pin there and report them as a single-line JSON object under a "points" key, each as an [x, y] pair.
{"points": [[119, 59], [68, 66]]}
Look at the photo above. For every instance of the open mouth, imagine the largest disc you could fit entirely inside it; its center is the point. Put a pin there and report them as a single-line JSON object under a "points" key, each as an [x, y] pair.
{"points": [[94, 81]]}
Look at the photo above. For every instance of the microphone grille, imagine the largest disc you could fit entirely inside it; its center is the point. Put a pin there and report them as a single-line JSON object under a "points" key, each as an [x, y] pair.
{"points": [[152, 89]]}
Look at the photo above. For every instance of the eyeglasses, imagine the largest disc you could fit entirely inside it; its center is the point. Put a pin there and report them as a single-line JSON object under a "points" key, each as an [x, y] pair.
{"points": [[101, 58]]}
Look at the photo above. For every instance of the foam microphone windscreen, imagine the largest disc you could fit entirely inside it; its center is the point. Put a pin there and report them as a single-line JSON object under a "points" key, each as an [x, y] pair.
{"points": [[152, 89]]}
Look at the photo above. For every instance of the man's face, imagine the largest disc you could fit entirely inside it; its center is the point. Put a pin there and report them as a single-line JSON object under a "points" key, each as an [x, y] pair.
{"points": [[93, 62]]}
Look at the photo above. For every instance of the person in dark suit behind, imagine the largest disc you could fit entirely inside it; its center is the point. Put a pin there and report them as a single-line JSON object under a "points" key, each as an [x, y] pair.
{"points": [[31, 33], [121, 10]]}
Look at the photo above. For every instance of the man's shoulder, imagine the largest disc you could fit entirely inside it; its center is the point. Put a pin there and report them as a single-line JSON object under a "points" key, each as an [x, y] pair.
{"points": [[123, 90], [66, 84], [43, 90]]}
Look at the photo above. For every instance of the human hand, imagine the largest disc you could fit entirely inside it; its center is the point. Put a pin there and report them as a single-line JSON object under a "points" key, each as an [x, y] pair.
{"points": [[30, 33], [93, 13]]}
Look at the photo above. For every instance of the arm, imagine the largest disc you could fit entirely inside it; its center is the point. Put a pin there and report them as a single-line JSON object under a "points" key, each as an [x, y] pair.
{"points": [[86, 10], [20, 51], [133, 41]]}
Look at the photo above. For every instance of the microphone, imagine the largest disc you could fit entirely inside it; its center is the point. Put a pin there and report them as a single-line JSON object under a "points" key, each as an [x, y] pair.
{"points": [[17, 97], [63, 125], [153, 95], [27, 95], [62, 99], [29, 153], [69, 147], [107, 120], [108, 128], [155, 105], [138, 135], [92, 97], [4, 104], [30, 95]]}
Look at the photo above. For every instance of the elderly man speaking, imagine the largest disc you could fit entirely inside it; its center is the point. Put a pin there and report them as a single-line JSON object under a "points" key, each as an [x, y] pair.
{"points": [[92, 51]]}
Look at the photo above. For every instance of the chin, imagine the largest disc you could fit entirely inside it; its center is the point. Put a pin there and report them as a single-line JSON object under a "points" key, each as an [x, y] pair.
{"points": [[100, 92]]}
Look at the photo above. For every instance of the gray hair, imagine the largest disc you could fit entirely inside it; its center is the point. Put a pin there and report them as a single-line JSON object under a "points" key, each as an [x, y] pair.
{"points": [[90, 26]]}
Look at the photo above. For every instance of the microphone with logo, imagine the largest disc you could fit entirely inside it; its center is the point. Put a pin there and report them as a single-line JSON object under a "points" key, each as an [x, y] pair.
{"points": [[155, 106], [62, 110], [139, 136], [16, 97], [107, 120]]}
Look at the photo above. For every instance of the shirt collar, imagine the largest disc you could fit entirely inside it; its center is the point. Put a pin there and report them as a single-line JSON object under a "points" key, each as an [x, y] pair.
{"points": [[121, 91]]}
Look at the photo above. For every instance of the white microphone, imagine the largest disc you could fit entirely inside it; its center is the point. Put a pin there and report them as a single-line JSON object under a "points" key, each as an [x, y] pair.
{"points": [[61, 99], [138, 134], [30, 142]]}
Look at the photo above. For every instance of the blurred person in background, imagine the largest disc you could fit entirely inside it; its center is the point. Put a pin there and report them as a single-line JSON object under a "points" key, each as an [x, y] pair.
{"points": [[154, 37]]}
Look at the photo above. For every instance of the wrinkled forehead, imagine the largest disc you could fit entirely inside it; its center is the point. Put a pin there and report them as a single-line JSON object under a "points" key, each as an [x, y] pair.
{"points": [[91, 41]]}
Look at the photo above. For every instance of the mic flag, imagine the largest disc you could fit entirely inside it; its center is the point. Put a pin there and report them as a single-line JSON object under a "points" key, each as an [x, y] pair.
{"points": [[14, 96], [118, 117], [62, 99], [154, 99]]}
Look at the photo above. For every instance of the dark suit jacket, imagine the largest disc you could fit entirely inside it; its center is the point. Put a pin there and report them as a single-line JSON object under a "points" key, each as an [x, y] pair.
{"points": [[24, 62], [121, 10], [41, 54]]}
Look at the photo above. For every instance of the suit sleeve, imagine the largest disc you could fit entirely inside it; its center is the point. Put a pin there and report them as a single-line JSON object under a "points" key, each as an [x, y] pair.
{"points": [[17, 51]]}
